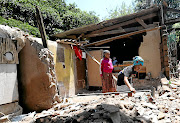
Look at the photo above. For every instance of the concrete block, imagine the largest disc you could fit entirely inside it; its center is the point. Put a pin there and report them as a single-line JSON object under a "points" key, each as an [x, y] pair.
{"points": [[8, 83], [10, 108]]}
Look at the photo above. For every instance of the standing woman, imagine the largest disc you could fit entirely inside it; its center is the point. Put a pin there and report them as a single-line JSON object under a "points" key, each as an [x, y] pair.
{"points": [[108, 83]]}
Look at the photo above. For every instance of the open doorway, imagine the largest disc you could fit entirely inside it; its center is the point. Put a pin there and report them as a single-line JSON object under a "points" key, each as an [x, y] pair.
{"points": [[125, 49]]}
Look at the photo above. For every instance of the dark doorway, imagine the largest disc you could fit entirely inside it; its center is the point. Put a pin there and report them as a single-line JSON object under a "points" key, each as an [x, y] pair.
{"points": [[125, 49]]}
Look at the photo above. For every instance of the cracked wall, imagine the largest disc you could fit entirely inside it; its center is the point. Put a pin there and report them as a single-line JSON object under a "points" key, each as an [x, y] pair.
{"points": [[37, 77]]}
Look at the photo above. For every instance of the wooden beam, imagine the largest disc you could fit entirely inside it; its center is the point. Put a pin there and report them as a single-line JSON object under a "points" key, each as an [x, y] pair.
{"points": [[120, 37], [72, 36], [162, 15], [41, 27], [125, 18], [173, 10], [129, 34], [93, 27], [121, 30], [116, 31], [99, 47], [123, 24], [176, 29], [172, 21], [140, 21], [68, 42]]}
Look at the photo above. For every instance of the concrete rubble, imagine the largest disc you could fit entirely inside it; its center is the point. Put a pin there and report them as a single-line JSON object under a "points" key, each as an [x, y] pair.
{"points": [[140, 108]]}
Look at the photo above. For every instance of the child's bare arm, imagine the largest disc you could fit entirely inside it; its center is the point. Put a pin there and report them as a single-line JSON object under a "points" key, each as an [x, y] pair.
{"points": [[128, 84]]}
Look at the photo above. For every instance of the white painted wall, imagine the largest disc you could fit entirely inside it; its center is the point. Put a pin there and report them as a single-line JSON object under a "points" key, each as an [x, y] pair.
{"points": [[8, 83]]}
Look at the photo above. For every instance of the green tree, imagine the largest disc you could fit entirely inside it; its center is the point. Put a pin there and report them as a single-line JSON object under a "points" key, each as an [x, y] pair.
{"points": [[143, 4], [121, 10], [57, 15], [177, 25]]}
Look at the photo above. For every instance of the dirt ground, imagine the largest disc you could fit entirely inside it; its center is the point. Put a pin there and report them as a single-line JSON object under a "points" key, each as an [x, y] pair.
{"points": [[114, 108]]}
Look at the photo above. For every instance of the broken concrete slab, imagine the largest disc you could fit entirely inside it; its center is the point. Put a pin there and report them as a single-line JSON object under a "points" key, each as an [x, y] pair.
{"points": [[37, 77]]}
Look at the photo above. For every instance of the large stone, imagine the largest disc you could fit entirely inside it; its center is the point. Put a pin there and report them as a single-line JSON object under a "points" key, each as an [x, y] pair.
{"points": [[161, 116]]}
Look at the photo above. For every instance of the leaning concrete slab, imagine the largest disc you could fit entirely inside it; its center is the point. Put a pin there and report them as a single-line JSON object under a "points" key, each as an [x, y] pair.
{"points": [[36, 76]]}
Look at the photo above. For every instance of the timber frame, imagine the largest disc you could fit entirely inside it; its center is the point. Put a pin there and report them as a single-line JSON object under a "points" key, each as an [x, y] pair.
{"points": [[153, 18]]}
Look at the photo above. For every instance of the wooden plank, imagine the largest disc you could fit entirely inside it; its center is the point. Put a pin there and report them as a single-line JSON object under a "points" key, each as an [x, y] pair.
{"points": [[165, 53], [134, 15], [126, 35], [63, 42], [167, 68], [99, 47], [81, 74], [166, 64], [166, 58], [72, 36], [140, 21], [124, 23], [162, 14], [116, 31], [94, 78], [172, 21], [165, 47], [101, 25], [41, 27], [120, 37], [173, 10], [171, 29]]}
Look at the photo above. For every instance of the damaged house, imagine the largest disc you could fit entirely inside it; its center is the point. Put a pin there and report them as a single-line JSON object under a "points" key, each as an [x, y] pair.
{"points": [[143, 33], [36, 77]]}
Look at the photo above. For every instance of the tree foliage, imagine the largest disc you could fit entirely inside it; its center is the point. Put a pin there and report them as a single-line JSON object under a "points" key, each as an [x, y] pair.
{"points": [[23, 26], [143, 4], [57, 15], [121, 10]]}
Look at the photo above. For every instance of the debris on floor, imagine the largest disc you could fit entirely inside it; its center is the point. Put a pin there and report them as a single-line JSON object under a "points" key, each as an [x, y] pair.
{"points": [[141, 107]]}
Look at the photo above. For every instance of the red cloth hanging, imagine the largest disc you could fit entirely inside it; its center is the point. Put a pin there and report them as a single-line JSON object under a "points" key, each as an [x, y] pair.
{"points": [[78, 52]]}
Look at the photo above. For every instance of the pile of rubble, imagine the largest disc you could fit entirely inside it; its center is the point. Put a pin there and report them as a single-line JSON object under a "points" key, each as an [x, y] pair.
{"points": [[141, 107]]}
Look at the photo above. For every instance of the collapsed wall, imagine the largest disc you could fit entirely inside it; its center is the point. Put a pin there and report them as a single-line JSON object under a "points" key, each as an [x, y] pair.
{"points": [[37, 77]]}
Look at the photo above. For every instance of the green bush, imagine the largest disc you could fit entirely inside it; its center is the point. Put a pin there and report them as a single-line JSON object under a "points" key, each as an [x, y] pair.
{"points": [[23, 26], [57, 15]]}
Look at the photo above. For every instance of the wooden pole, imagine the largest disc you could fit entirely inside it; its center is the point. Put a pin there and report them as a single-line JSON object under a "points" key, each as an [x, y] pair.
{"points": [[120, 37], [41, 27]]}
